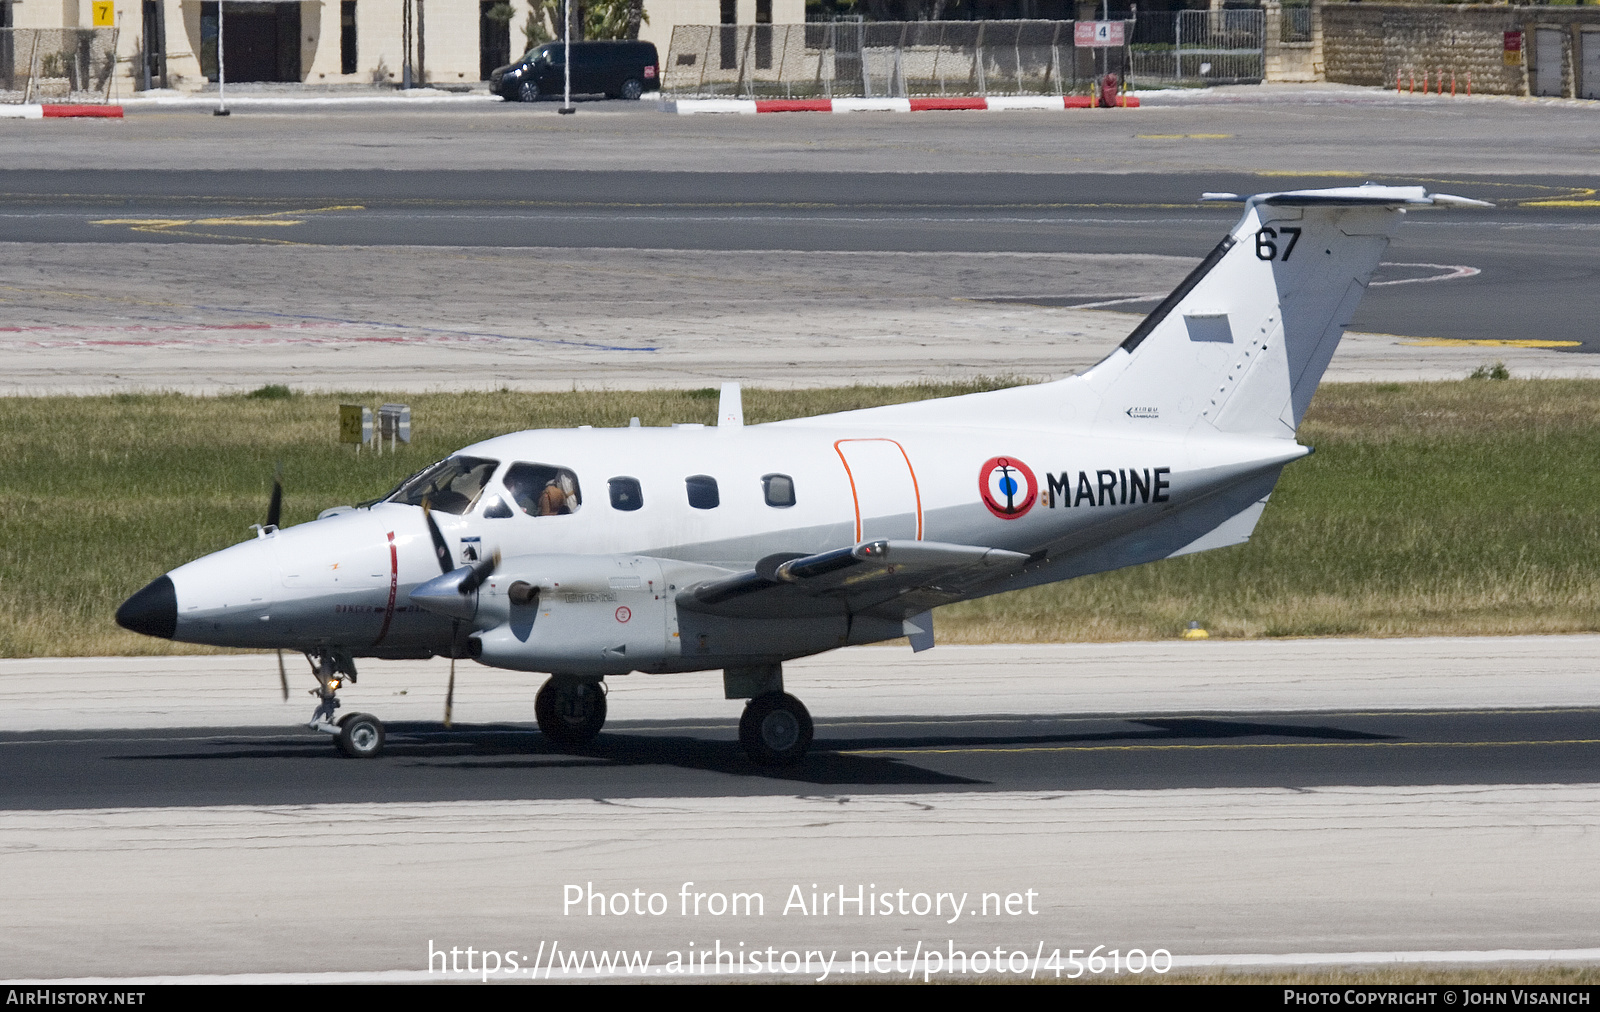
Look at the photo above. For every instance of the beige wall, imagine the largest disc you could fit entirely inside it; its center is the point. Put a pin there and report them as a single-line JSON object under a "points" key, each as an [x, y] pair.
{"points": [[664, 14], [451, 35]]}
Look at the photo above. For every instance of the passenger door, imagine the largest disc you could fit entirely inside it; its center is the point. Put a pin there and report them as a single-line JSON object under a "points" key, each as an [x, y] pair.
{"points": [[883, 486]]}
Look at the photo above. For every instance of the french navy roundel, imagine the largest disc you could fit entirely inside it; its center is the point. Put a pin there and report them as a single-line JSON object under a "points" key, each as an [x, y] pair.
{"points": [[1008, 487]]}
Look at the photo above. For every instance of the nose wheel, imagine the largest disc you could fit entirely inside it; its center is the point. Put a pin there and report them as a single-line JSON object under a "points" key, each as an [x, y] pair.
{"points": [[360, 735], [775, 729], [357, 735]]}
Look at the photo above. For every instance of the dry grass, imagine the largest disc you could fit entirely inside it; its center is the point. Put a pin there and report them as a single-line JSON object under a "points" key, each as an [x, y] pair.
{"points": [[1429, 509], [1447, 508], [1386, 977]]}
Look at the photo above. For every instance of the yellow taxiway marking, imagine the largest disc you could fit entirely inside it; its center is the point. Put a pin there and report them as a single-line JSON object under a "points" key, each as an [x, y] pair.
{"points": [[147, 224], [177, 226], [1463, 342], [1238, 746]]}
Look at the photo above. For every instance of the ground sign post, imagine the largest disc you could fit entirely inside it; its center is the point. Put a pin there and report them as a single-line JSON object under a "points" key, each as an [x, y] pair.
{"points": [[1099, 34]]}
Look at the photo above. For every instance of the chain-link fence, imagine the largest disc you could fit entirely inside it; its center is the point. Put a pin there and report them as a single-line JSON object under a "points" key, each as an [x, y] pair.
{"points": [[1209, 47], [68, 65], [883, 59]]}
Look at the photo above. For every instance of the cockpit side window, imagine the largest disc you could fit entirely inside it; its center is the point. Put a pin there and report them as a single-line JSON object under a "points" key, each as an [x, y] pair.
{"points": [[450, 486], [542, 490]]}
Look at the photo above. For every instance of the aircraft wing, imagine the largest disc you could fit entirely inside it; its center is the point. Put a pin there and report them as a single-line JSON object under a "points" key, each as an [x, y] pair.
{"points": [[864, 577]]}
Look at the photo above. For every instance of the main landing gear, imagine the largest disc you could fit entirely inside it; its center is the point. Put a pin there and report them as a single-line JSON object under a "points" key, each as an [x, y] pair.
{"points": [[358, 735], [775, 729], [570, 710]]}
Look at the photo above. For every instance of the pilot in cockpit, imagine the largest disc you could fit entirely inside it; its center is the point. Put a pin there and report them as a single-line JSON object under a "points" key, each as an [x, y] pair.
{"points": [[560, 497]]}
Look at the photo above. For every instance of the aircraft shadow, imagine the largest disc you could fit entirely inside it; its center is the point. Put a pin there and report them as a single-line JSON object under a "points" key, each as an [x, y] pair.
{"points": [[419, 745]]}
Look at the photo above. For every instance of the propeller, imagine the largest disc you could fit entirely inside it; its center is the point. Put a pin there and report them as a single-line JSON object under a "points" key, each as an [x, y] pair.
{"points": [[275, 504], [481, 570], [441, 551], [275, 514], [450, 693]]}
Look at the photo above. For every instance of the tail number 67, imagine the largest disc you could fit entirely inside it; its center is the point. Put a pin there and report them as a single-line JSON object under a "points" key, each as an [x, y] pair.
{"points": [[1267, 247]]}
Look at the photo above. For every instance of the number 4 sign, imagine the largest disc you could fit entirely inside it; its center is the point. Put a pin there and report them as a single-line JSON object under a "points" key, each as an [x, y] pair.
{"points": [[1098, 33]]}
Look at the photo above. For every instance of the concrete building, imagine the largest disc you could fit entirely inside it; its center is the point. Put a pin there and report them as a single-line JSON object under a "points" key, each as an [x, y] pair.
{"points": [[173, 43]]}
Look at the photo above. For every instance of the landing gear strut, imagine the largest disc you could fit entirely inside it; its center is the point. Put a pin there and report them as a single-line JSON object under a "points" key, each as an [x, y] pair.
{"points": [[358, 735], [570, 710]]}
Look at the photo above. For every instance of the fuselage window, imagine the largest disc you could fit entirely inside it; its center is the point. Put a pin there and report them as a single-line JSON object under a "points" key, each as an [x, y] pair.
{"points": [[450, 486], [703, 492], [626, 494], [542, 490], [779, 489]]}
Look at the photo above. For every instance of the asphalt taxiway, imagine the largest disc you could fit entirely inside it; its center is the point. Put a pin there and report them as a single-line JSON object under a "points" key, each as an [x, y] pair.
{"points": [[1259, 799], [203, 282]]}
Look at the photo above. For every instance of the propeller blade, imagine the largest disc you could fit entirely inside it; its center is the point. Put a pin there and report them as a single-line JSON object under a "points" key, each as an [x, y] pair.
{"points": [[275, 504], [440, 550], [481, 571], [283, 677], [450, 693]]}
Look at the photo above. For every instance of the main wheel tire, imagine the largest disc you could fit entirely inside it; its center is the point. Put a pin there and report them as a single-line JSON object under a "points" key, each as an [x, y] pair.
{"points": [[360, 735], [527, 91], [632, 88], [570, 711], [775, 730]]}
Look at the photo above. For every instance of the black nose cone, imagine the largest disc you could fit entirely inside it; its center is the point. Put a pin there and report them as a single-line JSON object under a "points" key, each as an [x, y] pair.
{"points": [[153, 611]]}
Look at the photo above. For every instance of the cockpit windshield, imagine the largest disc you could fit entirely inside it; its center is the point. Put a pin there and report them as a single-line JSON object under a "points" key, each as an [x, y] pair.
{"points": [[450, 486]]}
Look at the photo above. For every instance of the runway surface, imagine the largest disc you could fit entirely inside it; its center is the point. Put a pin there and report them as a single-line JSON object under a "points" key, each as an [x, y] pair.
{"points": [[678, 759], [1208, 798], [1274, 129], [201, 281]]}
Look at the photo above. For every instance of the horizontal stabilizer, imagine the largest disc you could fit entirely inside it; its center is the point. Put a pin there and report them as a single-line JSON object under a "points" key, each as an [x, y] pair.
{"points": [[1349, 196]]}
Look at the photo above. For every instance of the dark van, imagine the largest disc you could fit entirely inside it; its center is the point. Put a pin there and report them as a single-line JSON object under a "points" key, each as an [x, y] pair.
{"points": [[614, 69]]}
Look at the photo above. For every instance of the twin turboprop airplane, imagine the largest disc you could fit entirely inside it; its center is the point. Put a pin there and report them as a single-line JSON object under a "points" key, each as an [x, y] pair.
{"points": [[586, 553]]}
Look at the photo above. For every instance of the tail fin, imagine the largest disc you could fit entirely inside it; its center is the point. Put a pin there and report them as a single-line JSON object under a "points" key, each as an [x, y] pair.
{"points": [[1243, 342]]}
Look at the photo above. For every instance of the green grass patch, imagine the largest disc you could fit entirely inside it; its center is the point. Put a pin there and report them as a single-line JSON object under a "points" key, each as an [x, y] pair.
{"points": [[1437, 508]]}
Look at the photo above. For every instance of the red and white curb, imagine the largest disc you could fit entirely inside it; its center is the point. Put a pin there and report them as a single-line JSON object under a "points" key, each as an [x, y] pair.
{"points": [[36, 111], [747, 106]]}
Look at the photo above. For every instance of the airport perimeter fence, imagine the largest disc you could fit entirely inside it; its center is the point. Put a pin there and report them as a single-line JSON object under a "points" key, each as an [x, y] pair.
{"points": [[1212, 47], [67, 65], [894, 59]]}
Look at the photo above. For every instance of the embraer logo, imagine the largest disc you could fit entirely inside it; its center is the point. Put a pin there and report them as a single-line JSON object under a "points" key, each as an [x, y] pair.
{"points": [[1008, 487]]}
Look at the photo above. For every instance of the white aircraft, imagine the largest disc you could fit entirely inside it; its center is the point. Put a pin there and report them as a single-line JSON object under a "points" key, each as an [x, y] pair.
{"points": [[589, 553]]}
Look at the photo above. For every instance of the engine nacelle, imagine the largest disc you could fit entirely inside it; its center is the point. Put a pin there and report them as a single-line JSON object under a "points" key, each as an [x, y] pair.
{"points": [[577, 614]]}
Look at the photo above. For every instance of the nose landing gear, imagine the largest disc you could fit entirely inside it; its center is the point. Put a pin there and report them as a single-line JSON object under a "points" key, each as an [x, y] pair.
{"points": [[358, 735]]}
